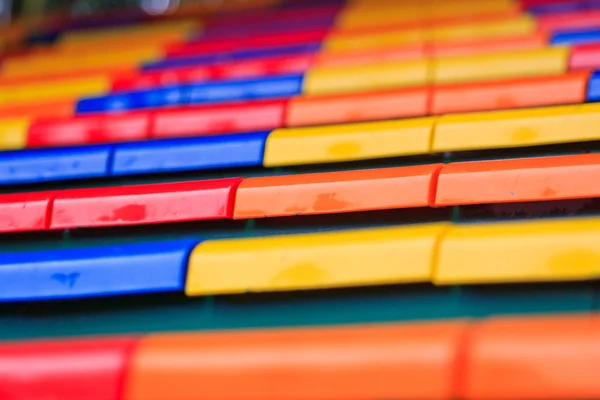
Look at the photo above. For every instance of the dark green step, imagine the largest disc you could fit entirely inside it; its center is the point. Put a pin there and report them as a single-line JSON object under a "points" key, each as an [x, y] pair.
{"points": [[175, 312]]}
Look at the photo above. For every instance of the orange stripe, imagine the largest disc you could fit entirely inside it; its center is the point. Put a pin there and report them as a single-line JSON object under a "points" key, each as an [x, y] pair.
{"points": [[381, 105], [60, 108], [432, 50], [520, 180], [335, 192], [569, 88], [550, 358], [355, 363]]}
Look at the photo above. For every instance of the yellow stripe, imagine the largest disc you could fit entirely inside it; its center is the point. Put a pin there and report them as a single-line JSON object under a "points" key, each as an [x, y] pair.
{"points": [[501, 65], [313, 261], [13, 133], [554, 250], [140, 31], [350, 142], [364, 15], [481, 30], [344, 42], [517, 128], [65, 89], [74, 62], [324, 80]]}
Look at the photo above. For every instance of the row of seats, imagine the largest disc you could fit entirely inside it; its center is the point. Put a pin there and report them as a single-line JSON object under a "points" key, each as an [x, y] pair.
{"points": [[569, 88], [189, 86], [433, 185], [443, 360], [297, 70], [325, 80], [320, 78], [305, 145], [441, 253]]}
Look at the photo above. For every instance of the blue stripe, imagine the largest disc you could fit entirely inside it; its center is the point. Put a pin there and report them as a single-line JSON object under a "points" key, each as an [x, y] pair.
{"points": [[98, 271], [42, 165], [199, 153]]}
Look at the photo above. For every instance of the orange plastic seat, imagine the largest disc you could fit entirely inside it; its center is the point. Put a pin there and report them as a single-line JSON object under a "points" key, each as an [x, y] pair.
{"points": [[56, 108], [336, 192], [355, 107], [403, 362], [543, 358], [519, 180], [569, 88]]}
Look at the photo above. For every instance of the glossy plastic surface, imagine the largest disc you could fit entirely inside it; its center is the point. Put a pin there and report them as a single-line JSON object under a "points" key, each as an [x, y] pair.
{"points": [[79, 61], [324, 144], [376, 76], [249, 89], [314, 261], [593, 93], [475, 46], [289, 65], [519, 180], [75, 369], [517, 128], [200, 93], [210, 152], [332, 109], [522, 251], [367, 16], [586, 56], [254, 41], [44, 109], [425, 17], [362, 57], [24, 212], [67, 89], [353, 363], [579, 19], [233, 56], [567, 88], [89, 129], [552, 358], [503, 65], [190, 61], [160, 97], [367, 41], [227, 118], [153, 79], [13, 133], [144, 204], [43, 165], [99, 271], [99, 36], [336, 192], [576, 37], [514, 26]]}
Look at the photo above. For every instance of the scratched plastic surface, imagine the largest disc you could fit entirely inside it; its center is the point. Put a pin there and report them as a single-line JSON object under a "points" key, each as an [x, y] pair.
{"points": [[318, 181], [101, 271]]}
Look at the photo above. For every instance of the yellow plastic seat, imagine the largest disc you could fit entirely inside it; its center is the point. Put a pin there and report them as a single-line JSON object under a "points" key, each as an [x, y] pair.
{"points": [[523, 251], [376, 76], [480, 30], [13, 133], [87, 37], [500, 65], [517, 128], [349, 142], [76, 61], [55, 90], [314, 261], [343, 43]]}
